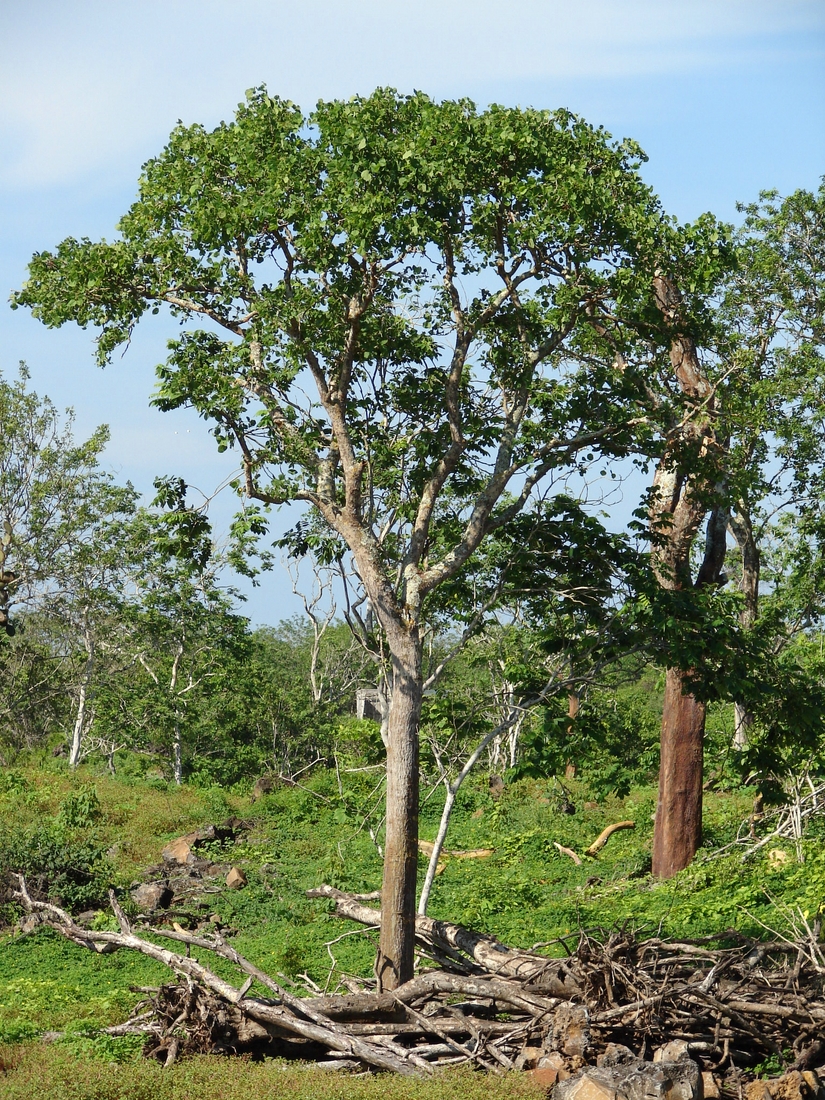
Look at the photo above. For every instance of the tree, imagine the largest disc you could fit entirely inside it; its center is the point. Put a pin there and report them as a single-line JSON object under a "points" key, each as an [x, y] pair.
{"points": [[423, 269], [61, 551], [752, 452], [773, 311], [181, 614]]}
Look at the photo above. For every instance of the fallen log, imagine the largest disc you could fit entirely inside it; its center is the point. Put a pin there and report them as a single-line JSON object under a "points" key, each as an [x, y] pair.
{"points": [[555, 977], [456, 853], [317, 1027], [730, 1001], [606, 834]]}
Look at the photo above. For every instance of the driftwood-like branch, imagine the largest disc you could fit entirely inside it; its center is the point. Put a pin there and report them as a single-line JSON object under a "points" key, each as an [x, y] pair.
{"points": [[733, 1001], [555, 977], [568, 852], [428, 848], [597, 844], [314, 1026], [606, 834]]}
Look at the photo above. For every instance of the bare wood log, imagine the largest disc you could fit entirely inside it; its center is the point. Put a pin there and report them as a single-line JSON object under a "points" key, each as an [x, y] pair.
{"points": [[554, 976], [432, 1028], [450, 1026], [457, 853], [326, 1033], [568, 852], [493, 989], [606, 834]]}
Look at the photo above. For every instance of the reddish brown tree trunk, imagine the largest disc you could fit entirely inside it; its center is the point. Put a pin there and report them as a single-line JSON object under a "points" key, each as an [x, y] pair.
{"points": [[394, 964], [678, 504], [678, 830]]}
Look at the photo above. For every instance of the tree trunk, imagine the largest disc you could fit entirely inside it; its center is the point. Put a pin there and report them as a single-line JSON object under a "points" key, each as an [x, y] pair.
{"points": [[394, 964], [513, 720], [177, 767], [742, 530], [177, 743], [678, 830], [76, 750], [678, 504]]}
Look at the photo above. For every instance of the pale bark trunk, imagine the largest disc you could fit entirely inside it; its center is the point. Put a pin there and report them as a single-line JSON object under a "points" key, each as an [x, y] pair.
{"points": [[76, 750], [177, 745], [514, 720], [394, 964], [678, 829], [178, 752]]}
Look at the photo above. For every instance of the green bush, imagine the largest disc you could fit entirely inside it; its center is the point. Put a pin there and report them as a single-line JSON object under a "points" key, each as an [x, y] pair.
{"points": [[60, 864]]}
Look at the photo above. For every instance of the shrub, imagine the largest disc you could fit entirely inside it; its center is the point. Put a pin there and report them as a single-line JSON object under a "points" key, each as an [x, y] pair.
{"points": [[59, 864]]}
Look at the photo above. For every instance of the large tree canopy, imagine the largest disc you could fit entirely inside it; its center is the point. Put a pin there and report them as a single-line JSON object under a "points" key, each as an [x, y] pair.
{"points": [[415, 316]]}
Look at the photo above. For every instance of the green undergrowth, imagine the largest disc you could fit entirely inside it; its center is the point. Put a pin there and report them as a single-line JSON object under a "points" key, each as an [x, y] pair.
{"points": [[525, 892]]}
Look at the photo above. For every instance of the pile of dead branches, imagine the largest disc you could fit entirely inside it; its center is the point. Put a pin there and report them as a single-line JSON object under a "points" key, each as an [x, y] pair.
{"points": [[733, 1002]]}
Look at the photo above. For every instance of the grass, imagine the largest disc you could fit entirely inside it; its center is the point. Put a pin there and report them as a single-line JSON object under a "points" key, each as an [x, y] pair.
{"points": [[55, 1073], [526, 892]]}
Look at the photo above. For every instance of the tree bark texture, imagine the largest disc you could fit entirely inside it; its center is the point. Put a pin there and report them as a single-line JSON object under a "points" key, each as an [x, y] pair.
{"points": [[678, 506], [396, 948], [678, 829]]}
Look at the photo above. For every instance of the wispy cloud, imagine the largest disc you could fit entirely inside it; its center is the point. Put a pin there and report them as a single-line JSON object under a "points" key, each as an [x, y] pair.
{"points": [[89, 86]]}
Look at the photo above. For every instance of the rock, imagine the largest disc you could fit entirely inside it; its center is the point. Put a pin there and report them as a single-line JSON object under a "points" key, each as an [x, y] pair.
{"points": [[777, 859], [264, 785], [674, 1051], [87, 917], [545, 1076], [152, 895], [616, 1055], [29, 923], [529, 1058], [586, 1085], [635, 1080], [710, 1086], [794, 1085], [571, 1030], [236, 879], [549, 1070], [180, 851]]}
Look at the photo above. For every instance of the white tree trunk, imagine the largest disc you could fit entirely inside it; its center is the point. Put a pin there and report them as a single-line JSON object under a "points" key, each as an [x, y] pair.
{"points": [[452, 791], [177, 745], [84, 695]]}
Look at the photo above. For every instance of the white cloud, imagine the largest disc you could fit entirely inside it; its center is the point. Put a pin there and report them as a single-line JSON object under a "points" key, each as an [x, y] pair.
{"points": [[87, 86]]}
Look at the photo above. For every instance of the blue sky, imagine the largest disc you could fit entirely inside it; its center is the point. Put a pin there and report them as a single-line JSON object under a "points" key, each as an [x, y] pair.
{"points": [[726, 97]]}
